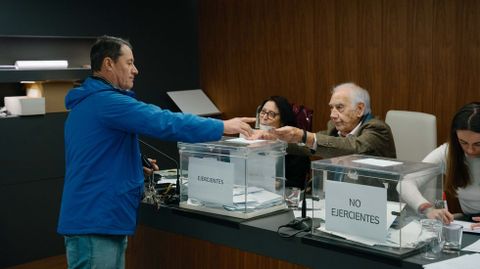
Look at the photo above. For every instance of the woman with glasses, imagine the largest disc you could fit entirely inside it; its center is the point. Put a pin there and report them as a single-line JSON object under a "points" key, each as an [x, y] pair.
{"points": [[460, 161], [277, 112]]}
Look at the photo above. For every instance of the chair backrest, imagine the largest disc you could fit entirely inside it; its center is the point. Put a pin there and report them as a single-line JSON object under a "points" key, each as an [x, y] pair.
{"points": [[414, 133], [303, 116]]}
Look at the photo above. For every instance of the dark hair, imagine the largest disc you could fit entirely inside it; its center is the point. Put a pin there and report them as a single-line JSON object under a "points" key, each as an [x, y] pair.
{"points": [[284, 108], [457, 174], [106, 46]]}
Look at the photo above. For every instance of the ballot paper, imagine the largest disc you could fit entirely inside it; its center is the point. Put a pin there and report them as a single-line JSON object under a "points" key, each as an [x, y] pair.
{"points": [[256, 198], [467, 226]]}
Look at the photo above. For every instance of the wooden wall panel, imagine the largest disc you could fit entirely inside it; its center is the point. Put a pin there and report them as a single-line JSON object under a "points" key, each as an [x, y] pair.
{"points": [[324, 60], [446, 48], [411, 55], [152, 248], [419, 55], [249, 51]]}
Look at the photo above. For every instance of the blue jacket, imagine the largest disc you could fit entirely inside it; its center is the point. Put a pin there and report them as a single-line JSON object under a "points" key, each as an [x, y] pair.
{"points": [[104, 176]]}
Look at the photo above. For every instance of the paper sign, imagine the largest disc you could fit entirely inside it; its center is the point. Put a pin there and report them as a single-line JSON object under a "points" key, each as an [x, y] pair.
{"points": [[355, 209], [210, 180]]}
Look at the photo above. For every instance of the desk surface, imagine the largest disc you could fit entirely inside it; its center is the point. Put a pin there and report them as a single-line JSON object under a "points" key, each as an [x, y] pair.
{"points": [[260, 236]]}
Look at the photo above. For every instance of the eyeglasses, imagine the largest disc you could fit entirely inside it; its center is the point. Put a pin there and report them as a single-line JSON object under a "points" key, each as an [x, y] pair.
{"points": [[270, 114]]}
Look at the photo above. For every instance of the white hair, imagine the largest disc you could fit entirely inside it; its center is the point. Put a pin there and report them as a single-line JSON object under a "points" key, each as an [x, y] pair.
{"points": [[358, 95]]}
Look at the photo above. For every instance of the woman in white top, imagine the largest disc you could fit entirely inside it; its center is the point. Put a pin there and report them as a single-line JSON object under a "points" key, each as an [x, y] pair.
{"points": [[460, 160]]}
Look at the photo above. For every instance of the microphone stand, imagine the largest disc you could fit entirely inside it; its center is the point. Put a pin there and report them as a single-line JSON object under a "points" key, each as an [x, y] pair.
{"points": [[177, 188], [307, 220], [304, 204]]}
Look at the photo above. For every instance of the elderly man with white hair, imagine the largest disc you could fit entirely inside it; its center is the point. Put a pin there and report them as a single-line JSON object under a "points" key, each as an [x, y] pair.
{"points": [[351, 129]]}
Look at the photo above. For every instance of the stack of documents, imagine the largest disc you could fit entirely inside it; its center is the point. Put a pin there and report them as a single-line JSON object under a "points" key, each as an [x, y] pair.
{"points": [[255, 199]]}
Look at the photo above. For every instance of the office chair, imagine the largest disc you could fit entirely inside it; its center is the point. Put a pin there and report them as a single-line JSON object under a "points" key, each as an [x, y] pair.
{"points": [[303, 117], [415, 136], [414, 133]]}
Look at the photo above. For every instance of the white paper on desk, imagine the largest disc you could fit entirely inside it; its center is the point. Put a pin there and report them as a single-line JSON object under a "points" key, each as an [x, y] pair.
{"points": [[169, 173], [474, 247], [167, 180], [237, 190], [468, 261], [466, 226], [242, 199], [266, 197], [354, 238], [410, 234], [259, 199]]}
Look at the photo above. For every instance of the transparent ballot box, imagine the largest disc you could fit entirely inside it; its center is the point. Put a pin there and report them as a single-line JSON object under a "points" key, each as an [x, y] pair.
{"points": [[369, 202], [233, 177]]}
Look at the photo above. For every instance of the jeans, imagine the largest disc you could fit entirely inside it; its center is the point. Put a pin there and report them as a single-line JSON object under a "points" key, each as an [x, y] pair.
{"points": [[96, 251]]}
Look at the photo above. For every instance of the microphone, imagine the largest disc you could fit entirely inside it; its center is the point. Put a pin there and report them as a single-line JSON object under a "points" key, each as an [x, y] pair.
{"points": [[304, 200], [177, 189], [257, 117], [304, 205], [308, 222]]}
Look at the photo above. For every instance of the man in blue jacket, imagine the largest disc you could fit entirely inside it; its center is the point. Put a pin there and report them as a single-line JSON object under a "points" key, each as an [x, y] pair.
{"points": [[104, 175]]}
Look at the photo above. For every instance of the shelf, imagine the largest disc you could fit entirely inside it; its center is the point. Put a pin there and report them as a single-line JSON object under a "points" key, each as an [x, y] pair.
{"points": [[7, 76], [76, 50]]}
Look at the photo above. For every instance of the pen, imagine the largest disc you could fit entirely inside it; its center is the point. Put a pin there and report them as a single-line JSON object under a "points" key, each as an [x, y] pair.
{"points": [[395, 213], [444, 198]]}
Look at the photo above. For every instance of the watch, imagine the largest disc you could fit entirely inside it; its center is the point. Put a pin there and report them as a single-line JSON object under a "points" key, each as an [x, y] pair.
{"points": [[304, 137]]}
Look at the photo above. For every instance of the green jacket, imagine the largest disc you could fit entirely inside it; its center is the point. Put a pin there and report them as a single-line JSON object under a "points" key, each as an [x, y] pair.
{"points": [[374, 137]]}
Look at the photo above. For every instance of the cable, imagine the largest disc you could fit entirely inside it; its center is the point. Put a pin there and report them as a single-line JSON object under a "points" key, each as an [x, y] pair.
{"points": [[177, 188], [299, 224]]}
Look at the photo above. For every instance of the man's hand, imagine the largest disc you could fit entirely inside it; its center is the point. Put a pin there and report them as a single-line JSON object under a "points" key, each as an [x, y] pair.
{"points": [[147, 171], [288, 134], [262, 134], [238, 126]]}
